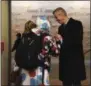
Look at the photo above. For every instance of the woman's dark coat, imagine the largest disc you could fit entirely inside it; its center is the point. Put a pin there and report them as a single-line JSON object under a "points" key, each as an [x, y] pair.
{"points": [[71, 60], [17, 41]]}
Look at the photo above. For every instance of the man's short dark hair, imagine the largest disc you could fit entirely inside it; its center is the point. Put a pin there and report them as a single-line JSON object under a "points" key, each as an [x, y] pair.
{"points": [[60, 9]]}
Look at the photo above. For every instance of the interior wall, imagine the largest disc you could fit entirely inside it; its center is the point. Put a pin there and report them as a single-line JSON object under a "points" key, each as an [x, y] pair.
{"points": [[79, 10], [4, 31]]}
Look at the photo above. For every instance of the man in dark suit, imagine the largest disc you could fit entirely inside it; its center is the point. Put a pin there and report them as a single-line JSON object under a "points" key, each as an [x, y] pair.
{"points": [[71, 60]]}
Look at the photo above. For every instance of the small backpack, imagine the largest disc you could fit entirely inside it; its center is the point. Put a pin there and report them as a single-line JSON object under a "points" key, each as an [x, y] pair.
{"points": [[30, 46]]}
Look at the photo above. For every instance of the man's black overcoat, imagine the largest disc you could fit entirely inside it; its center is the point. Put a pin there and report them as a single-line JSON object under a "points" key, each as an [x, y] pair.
{"points": [[71, 60]]}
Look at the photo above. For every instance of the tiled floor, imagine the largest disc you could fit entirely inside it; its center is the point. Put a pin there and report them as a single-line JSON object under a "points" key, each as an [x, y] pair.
{"points": [[54, 74], [56, 82]]}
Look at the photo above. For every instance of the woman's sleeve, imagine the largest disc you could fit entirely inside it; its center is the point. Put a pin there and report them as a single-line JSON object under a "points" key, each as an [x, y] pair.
{"points": [[55, 48], [50, 47], [17, 41]]}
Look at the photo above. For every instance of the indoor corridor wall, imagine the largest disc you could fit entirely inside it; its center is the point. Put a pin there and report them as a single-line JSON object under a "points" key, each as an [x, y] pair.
{"points": [[4, 31]]}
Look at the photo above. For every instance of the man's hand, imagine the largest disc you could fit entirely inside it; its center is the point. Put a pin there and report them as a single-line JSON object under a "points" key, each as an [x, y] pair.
{"points": [[58, 37]]}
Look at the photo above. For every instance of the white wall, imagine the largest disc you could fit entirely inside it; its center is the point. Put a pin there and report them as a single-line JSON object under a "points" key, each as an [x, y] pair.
{"points": [[24, 10]]}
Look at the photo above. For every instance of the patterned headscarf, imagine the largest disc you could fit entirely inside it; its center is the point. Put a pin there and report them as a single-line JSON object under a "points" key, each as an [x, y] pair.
{"points": [[43, 23]]}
